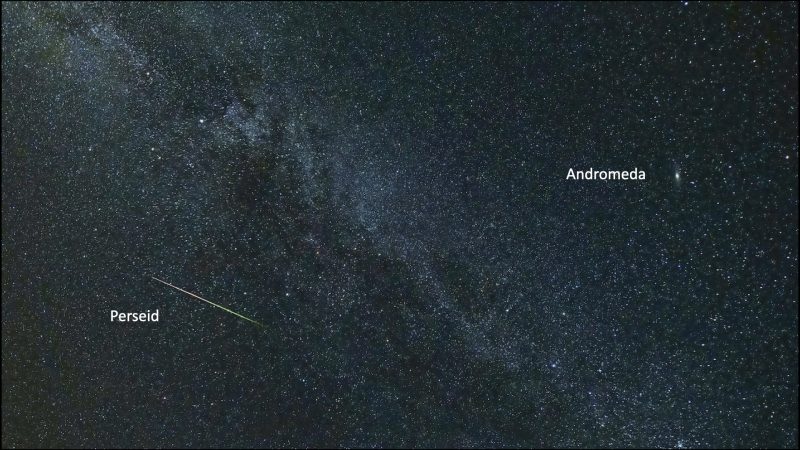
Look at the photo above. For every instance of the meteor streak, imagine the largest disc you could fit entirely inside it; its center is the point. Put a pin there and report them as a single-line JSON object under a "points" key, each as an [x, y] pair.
{"points": [[209, 302]]}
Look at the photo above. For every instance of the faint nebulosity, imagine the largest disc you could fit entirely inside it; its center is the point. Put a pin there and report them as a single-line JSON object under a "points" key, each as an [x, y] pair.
{"points": [[383, 187]]}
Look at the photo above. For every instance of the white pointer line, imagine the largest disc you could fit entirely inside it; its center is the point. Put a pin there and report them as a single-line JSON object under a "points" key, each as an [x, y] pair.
{"points": [[209, 302]]}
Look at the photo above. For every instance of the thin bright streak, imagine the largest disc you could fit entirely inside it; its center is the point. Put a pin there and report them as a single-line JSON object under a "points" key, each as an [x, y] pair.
{"points": [[209, 302]]}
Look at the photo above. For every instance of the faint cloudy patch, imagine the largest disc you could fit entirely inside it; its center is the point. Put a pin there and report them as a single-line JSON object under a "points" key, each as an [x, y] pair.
{"points": [[249, 125], [111, 40]]}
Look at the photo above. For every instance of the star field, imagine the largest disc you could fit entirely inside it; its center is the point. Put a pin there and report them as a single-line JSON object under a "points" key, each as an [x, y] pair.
{"points": [[383, 187]]}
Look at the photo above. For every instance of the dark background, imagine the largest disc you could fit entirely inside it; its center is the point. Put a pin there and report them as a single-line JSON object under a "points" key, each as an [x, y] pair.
{"points": [[383, 186]]}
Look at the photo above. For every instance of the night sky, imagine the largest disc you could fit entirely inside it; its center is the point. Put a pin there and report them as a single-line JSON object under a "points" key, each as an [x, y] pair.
{"points": [[383, 187]]}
